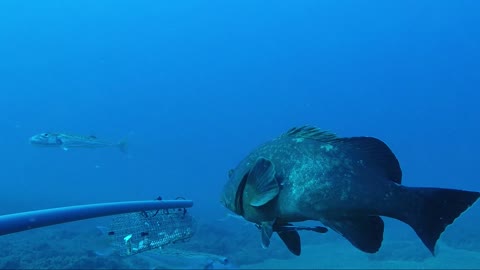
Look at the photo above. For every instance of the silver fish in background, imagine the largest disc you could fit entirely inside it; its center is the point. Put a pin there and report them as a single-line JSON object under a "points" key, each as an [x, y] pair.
{"points": [[66, 141], [345, 183]]}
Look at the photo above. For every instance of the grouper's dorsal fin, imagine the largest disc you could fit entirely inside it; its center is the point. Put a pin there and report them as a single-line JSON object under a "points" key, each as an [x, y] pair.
{"points": [[262, 179], [310, 132], [374, 154]]}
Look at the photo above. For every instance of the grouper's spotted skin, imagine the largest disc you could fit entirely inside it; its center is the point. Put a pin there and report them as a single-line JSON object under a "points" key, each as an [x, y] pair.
{"points": [[346, 183], [307, 172]]}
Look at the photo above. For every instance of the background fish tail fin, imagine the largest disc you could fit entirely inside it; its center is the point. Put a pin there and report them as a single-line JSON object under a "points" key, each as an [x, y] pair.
{"points": [[123, 146], [435, 209]]}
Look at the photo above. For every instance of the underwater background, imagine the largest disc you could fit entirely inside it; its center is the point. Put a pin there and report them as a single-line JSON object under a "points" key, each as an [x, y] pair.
{"points": [[194, 86]]}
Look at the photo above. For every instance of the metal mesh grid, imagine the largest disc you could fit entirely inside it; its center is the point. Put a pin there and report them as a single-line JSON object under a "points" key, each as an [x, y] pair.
{"points": [[138, 232]]}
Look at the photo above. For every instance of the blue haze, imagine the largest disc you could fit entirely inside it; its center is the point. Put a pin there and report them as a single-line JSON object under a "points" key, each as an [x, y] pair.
{"points": [[196, 85]]}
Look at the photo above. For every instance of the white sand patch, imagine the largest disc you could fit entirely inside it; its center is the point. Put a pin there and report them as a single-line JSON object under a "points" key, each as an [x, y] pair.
{"points": [[341, 255]]}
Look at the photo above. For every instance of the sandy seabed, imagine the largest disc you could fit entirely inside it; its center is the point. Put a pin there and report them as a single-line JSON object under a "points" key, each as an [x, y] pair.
{"points": [[339, 255]]}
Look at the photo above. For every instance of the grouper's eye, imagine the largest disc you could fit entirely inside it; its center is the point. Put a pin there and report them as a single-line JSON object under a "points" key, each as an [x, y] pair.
{"points": [[45, 135], [230, 173]]}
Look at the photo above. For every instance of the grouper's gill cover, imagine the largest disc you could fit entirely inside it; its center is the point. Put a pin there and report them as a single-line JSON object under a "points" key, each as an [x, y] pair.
{"points": [[346, 183]]}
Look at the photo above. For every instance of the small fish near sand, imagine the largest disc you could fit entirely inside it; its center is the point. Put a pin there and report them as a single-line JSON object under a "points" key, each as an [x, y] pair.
{"points": [[67, 141], [347, 184]]}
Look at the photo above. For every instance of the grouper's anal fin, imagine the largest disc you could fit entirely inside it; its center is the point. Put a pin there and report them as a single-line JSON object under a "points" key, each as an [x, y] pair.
{"points": [[364, 232], [262, 179]]}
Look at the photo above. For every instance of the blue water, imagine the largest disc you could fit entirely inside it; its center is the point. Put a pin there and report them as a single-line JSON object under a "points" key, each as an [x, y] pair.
{"points": [[194, 86]]}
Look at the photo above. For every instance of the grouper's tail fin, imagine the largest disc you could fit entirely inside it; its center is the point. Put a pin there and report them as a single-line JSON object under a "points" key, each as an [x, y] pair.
{"points": [[435, 209]]}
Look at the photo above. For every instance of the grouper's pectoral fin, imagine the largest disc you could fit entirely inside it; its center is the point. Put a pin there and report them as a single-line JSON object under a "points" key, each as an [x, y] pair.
{"points": [[364, 232], [262, 179], [266, 229]]}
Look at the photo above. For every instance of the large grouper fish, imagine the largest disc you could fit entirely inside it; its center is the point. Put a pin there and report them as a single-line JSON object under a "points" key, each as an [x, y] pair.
{"points": [[345, 183]]}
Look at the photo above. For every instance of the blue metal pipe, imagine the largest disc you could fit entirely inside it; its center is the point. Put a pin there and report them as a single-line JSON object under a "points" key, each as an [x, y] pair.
{"points": [[35, 219]]}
